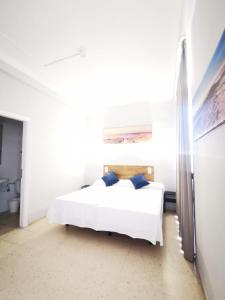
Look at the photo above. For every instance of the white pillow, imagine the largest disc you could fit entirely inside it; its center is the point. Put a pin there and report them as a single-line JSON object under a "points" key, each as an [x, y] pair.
{"points": [[120, 183], [124, 183], [99, 182], [154, 185], [128, 183]]}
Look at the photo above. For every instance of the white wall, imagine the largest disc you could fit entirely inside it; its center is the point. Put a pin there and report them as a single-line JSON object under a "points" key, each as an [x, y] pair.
{"points": [[159, 152], [10, 166], [209, 158], [55, 164]]}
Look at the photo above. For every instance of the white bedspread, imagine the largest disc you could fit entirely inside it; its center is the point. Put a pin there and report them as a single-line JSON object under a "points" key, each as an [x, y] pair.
{"points": [[137, 213]]}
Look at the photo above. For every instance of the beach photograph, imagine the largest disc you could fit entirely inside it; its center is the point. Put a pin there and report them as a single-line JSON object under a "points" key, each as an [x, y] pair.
{"points": [[209, 100], [127, 135]]}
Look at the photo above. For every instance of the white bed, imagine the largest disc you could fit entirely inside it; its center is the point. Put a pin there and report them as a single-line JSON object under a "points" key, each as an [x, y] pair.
{"points": [[118, 208]]}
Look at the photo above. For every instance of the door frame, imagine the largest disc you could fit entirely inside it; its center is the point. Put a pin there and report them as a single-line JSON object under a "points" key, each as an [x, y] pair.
{"points": [[23, 222]]}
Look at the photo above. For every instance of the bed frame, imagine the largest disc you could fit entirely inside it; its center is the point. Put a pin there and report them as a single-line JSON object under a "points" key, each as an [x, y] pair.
{"points": [[127, 171]]}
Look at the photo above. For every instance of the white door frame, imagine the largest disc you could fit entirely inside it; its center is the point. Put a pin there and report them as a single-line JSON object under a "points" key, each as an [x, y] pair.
{"points": [[24, 165]]}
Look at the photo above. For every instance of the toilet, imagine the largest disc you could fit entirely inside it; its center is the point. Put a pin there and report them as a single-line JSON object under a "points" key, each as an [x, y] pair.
{"points": [[14, 204]]}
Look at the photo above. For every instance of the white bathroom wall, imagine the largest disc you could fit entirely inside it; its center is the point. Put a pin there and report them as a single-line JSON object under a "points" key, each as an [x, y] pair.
{"points": [[10, 166], [159, 152], [54, 159]]}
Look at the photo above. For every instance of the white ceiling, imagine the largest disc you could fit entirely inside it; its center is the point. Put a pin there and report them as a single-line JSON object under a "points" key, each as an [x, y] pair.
{"points": [[131, 47]]}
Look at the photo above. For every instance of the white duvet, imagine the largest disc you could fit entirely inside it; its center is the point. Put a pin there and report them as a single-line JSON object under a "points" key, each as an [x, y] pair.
{"points": [[118, 208]]}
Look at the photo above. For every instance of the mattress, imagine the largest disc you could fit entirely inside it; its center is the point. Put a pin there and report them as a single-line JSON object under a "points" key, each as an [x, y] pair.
{"points": [[122, 209]]}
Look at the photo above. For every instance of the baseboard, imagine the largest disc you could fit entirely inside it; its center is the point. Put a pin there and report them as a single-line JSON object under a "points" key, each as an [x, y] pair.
{"points": [[202, 274], [36, 216]]}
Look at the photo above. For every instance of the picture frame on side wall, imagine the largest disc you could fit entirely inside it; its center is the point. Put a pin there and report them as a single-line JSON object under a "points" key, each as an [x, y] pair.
{"points": [[209, 100]]}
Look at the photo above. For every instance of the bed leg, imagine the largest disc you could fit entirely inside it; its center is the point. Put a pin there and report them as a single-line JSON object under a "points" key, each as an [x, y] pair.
{"points": [[109, 233]]}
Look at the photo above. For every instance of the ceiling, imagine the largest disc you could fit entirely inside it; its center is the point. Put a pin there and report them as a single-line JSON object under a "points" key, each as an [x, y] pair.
{"points": [[130, 47]]}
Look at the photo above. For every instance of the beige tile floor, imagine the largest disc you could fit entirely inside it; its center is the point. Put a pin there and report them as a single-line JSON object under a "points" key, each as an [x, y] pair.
{"points": [[47, 262]]}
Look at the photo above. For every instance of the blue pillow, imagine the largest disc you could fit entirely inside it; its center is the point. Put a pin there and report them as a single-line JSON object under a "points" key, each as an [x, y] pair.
{"points": [[110, 178], [139, 181]]}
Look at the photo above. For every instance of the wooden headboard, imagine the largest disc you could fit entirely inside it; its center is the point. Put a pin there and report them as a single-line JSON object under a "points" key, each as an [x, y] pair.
{"points": [[125, 172]]}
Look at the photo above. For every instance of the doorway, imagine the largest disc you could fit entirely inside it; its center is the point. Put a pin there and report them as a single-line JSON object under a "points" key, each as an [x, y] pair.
{"points": [[11, 133], [13, 171]]}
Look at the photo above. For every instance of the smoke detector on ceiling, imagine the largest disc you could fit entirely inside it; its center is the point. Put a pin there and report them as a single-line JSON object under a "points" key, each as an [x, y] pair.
{"points": [[80, 52]]}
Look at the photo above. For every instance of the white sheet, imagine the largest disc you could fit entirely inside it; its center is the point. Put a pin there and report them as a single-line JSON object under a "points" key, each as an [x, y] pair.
{"points": [[137, 213]]}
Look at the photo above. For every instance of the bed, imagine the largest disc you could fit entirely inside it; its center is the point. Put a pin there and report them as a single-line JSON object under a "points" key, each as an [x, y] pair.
{"points": [[117, 208]]}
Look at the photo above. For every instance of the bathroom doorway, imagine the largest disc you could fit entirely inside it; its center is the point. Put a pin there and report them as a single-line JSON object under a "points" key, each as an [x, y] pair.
{"points": [[11, 142]]}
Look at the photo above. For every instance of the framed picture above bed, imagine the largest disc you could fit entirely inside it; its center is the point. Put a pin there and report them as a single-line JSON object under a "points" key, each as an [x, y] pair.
{"points": [[127, 135], [209, 100]]}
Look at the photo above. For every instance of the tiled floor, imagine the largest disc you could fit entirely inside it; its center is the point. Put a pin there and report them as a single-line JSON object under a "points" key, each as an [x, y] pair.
{"points": [[47, 262]]}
